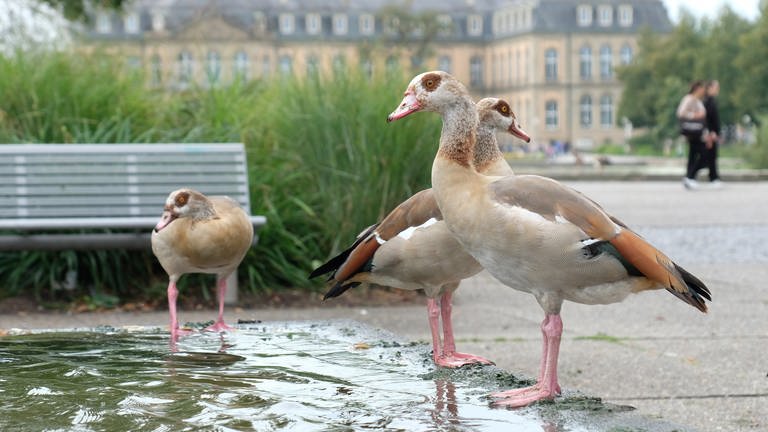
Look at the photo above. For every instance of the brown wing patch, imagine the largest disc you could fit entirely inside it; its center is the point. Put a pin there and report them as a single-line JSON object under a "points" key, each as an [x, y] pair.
{"points": [[551, 200], [413, 212]]}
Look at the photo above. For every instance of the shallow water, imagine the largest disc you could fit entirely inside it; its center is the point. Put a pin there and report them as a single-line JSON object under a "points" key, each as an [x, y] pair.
{"points": [[339, 376]]}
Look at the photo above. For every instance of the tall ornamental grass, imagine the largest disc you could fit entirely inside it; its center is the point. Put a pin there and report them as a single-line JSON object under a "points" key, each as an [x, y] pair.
{"points": [[323, 162]]}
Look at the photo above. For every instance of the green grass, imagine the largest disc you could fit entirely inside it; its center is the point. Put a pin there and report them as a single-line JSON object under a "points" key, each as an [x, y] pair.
{"points": [[602, 337], [323, 162]]}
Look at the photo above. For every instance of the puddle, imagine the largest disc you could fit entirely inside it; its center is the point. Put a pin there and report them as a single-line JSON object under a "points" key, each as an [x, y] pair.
{"points": [[339, 376]]}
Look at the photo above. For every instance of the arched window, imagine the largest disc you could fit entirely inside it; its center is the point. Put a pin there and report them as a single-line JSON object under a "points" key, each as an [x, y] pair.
{"points": [[626, 54], [313, 66], [444, 63], [185, 67], [550, 64], [476, 71], [241, 66], [585, 111], [550, 114], [286, 65], [213, 67], [606, 62], [585, 62], [156, 71], [606, 111]]}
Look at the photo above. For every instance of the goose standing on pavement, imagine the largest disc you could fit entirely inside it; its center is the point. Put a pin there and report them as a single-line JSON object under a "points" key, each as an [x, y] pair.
{"points": [[412, 248], [199, 234], [535, 234]]}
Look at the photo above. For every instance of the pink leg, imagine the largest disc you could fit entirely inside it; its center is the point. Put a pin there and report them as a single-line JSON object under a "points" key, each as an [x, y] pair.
{"points": [[547, 386], [449, 350], [433, 313], [173, 294], [219, 325]]}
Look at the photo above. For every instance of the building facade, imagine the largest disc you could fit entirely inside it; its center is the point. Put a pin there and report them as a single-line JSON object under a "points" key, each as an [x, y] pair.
{"points": [[553, 60]]}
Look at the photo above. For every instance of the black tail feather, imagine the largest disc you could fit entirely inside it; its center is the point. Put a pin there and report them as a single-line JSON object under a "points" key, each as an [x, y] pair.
{"points": [[697, 291], [339, 289], [334, 263]]}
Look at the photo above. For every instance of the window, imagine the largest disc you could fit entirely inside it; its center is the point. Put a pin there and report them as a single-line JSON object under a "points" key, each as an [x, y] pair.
{"points": [[131, 23], [585, 62], [392, 64], [475, 25], [476, 71], [186, 67], [605, 15], [213, 67], [259, 22], [585, 111], [626, 54], [286, 65], [446, 24], [103, 22], [444, 63], [286, 23], [241, 66], [340, 24], [366, 65], [313, 23], [626, 18], [550, 64], [606, 111], [606, 62], [367, 24], [416, 62], [550, 114], [158, 21], [313, 66], [266, 67], [156, 71], [339, 63], [584, 15]]}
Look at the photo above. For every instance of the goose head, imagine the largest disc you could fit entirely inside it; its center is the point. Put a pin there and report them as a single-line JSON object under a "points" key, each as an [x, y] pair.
{"points": [[496, 114], [183, 203], [430, 91]]}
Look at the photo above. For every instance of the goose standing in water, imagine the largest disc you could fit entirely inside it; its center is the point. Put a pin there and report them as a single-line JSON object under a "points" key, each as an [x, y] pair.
{"points": [[199, 234]]}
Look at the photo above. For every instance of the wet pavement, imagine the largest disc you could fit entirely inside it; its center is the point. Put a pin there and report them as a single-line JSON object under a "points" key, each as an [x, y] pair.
{"points": [[652, 352]]}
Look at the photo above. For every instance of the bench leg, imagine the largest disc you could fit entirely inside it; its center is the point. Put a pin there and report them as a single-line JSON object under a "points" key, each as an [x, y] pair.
{"points": [[231, 296]]}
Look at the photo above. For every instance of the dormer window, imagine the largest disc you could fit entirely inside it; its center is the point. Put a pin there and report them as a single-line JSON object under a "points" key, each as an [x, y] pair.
{"points": [[605, 15], [446, 24], [475, 25], [158, 21], [340, 24], [626, 16], [259, 22], [103, 22], [367, 24], [313, 23], [584, 15], [131, 23], [287, 23]]}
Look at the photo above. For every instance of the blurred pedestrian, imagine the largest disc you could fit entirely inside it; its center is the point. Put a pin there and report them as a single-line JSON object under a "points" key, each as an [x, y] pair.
{"points": [[714, 137], [691, 115]]}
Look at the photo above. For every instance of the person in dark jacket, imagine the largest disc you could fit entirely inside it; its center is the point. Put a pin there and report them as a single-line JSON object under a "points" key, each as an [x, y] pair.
{"points": [[714, 137]]}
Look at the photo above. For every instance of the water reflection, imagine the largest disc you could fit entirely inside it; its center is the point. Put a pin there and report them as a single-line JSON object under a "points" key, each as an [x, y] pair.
{"points": [[297, 376]]}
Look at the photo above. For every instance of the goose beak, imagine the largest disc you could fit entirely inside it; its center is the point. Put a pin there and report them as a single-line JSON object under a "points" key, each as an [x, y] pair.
{"points": [[167, 218], [409, 105], [515, 130]]}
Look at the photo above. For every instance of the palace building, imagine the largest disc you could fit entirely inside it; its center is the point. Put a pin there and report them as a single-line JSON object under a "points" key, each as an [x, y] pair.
{"points": [[555, 61]]}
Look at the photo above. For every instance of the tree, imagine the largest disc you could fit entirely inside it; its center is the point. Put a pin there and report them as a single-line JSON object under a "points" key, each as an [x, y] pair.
{"points": [[415, 30], [77, 10]]}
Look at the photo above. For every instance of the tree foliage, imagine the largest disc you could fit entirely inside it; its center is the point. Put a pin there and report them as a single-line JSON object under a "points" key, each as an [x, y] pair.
{"points": [[728, 48]]}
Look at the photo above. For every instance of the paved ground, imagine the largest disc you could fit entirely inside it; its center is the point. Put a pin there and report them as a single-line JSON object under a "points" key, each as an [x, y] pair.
{"points": [[708, 372]]}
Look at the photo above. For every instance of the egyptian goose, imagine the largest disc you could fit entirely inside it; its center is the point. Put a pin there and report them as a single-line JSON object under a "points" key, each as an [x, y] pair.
{"points": [[535, 234], [199, 234], [412, 248]]}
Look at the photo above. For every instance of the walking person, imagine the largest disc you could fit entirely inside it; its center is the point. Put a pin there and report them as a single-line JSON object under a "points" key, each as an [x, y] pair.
{"points": [[714, 137], [692, 117]]}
